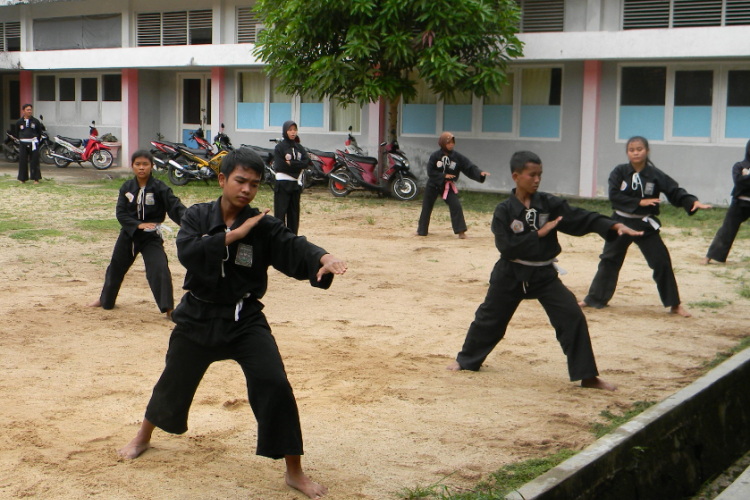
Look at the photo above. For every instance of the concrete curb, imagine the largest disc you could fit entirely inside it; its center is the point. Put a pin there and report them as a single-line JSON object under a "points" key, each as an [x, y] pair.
{"points": [[668, 451], [739, 489]]}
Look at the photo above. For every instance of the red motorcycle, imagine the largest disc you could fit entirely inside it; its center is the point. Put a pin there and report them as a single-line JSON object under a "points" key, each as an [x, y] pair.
{"points": [[69, 150]]}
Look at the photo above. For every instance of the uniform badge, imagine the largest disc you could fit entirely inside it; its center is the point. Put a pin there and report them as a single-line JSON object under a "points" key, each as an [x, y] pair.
{"points": [[244, 255], [288, 157], [439, 164], [543, 219], [22, 127], [623, 186], [130, 197], [149, 198], [649, 189], [745, 171], [517, 226]]}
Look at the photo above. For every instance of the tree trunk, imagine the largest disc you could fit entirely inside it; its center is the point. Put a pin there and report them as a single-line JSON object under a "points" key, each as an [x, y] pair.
{"points": [[393, 119]]}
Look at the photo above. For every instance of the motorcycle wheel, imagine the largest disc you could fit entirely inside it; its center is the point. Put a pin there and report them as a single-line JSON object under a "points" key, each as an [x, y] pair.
{"points": [[102, 159], [11, 155], [44, 155], [176, 177], [59, 161], [269, 178], [307, 179], [337, 189], [404, 189]]}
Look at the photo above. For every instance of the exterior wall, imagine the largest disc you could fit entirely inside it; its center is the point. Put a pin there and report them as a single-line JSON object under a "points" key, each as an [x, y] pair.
{"points": [[149, 99]]}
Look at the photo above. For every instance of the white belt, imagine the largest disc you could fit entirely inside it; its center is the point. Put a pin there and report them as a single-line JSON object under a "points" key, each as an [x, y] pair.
{"points": [[281, 176], [536, 263], [745, 198], [647, 218], [33, 141]]}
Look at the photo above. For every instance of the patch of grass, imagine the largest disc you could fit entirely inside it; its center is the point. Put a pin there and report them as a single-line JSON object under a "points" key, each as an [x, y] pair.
{"points": [[99, 225], [616, 421], [710, 304], [370, 220], [35, 234], [498, 484], [744, 292], [13, 225], [722, 356]]}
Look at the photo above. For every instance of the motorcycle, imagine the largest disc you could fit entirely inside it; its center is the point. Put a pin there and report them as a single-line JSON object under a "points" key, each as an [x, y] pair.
{"points": [[10, 147], [69, 150], [198, 166], [266, 154], [222, 141], [322, 163], [46, 145], [360, 172]]}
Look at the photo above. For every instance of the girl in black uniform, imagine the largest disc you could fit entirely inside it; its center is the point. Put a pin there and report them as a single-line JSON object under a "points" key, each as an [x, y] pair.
{"points": [[739, 211], [634, 191], [141, 208], [289, 159]]}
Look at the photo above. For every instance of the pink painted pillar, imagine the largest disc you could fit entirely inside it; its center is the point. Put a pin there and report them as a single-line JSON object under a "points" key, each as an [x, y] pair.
{"points": [[592, 88], [129, 114], [27, 88], [217, 99]]}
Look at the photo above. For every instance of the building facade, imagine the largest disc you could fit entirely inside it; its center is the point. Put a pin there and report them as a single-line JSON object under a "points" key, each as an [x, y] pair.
{"points": [[595, 72]]}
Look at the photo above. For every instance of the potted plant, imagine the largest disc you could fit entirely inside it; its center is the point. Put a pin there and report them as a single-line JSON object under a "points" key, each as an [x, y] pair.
{"points": [[112, 143]]}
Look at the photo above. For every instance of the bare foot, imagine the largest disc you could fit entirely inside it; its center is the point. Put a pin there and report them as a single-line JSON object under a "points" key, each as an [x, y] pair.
{"points": [[298, 480], [680, 310], [705, 261], [597, 383], [462, 235], [96, 303], [169, 314], [417, 234], [134, 448], [36, 182], [582, 304], [454, 367]]}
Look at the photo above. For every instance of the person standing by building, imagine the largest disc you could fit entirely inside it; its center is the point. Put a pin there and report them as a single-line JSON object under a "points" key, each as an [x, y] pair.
{"points": [[289, 160], [29, 132]]}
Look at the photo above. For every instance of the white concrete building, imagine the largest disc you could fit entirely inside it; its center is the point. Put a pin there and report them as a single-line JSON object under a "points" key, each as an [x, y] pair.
{"points": [[595, 72]]}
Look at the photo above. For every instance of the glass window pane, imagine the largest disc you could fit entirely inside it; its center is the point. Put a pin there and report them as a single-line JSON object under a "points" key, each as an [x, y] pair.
{"points": [[497, 110], [45, 88], [67, 89], [738, 105], [693, 99], [342, 118], [419, 114], [311, 111], [251, 100], [642, 99], [191, 100], [89, 89], [281, 105], [541, 95], [201, 36], [457, 112], [111, 88]]}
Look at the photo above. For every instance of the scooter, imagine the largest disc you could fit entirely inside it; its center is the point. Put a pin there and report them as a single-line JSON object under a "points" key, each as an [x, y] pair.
{"points": [[10, 147], [93, 150], [322, 163], [269, 175], [359, 172]]}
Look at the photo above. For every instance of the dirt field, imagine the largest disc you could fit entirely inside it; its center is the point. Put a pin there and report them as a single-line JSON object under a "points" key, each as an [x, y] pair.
{"points": [[366, 358]]}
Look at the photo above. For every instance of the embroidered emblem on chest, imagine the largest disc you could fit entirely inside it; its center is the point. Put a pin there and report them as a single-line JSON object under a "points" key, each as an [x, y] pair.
{"points": [[244, 255], [543, 219], [649, 188], [517, 226], [623, 186], [149, 198], [130, 197]]}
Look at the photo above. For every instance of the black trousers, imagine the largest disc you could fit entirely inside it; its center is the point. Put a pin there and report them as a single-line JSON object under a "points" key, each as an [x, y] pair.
{"points": [[158, 275], [431, 194], [24, 165], [503, 297], [286, 203], [738, 213], [657, 257], [268, 390]]}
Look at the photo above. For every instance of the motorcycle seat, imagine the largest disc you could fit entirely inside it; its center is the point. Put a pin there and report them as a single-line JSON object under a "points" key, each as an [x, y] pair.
{"points": [[74, 142], [258, 149], [361, 159], [175, 144], [197, 152], [323, 154]]}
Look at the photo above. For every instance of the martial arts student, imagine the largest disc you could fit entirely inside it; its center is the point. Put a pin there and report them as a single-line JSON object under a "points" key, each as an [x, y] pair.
{"points": [[142, 206], [29, 132], [443, 170], [634, 192], [525, 227], [289, 160], [226, 247], [739, 212]]}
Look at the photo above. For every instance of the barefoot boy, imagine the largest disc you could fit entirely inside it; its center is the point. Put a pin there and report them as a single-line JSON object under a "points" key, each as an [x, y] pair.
{"points": [[525, 227], [226, 247]]}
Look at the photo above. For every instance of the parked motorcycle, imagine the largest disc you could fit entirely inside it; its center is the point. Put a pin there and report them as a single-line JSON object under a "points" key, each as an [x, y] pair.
{"points": [[269, 176], [222, 141], [322, 163], [69, 150], [197, 166], [360, 172], [46, 145], [10, 147]]}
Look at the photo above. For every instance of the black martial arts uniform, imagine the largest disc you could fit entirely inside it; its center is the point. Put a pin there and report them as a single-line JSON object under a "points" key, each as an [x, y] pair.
{"points": [[134, 207], [439, 164], [526, 270], [287, 190], [626, 189], [220, 318], [739, 210], [29, 132]]}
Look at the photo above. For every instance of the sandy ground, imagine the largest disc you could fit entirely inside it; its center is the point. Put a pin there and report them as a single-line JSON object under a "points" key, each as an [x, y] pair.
{"points": [[366, 359]]}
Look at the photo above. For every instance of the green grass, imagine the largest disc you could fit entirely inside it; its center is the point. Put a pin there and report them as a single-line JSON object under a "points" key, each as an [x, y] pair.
{"points": [[99, 225], [498, 484], [709, 304], [35, 234], [722, 356], [616, 421], [13, 225]]}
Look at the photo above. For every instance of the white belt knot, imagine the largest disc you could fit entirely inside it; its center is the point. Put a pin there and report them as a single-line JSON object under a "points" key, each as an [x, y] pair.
{"points": [[647, 218]]}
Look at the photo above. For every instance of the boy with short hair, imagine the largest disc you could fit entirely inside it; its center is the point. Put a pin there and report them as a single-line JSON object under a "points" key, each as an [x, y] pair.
{"points": [[226, 247], [525, 227]]}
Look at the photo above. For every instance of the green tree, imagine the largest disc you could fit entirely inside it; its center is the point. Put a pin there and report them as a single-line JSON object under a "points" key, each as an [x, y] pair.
{"points": [[359, 51]]}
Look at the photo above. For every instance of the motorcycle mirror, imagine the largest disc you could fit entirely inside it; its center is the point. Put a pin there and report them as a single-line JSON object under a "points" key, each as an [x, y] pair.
{"points": [[93, 122], [383, 144], [222, 125], [350, 129], [41, 117]]}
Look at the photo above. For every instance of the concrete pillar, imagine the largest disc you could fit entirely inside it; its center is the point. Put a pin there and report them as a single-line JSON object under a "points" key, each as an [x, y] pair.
{"points": [[27, 88], [217, 99], [376, 130], [592, 86], [594, 15], [27, 42], [129, 114], [216, 34], [127, 16]]}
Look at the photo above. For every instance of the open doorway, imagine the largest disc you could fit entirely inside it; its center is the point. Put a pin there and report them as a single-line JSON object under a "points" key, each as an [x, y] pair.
{"points": [[11, 100], [195, 106]]}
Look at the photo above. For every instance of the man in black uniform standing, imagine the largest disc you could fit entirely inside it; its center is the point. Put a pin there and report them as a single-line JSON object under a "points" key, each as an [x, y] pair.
{"points": [[29, 131]]}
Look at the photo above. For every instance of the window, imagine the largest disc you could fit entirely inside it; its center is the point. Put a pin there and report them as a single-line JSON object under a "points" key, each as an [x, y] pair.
{"points": [[644, 14], [311, 112], [280, 109], [344, 117], [89, 89], [45, 88], [541, 15], [10, 36], [457, 112], [174, 28], [693, 103], [111, 88], [78, 32], [541, 96], [497, 110], [642, 102], [419, 114], [737, 125], [248, 25], [67, 89], [251, 100]]}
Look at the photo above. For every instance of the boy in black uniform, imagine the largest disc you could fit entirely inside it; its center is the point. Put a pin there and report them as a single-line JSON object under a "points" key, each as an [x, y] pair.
{"points": [[142, 206], [525, 227], [226, 247], [634, 192], [29, 132], [289, 159], [443, 169], [739, 211]]}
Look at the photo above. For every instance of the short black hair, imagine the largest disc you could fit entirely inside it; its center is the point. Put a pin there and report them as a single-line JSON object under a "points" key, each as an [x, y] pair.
{"points": [[26, 106], [244, 158], [520, 158], [142, 153]]}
